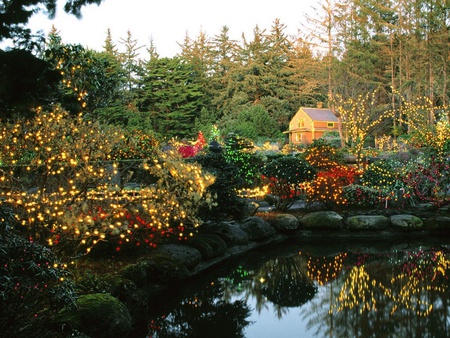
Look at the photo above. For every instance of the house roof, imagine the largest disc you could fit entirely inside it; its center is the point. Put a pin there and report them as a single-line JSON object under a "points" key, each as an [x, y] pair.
{"points": [[318, 114]]}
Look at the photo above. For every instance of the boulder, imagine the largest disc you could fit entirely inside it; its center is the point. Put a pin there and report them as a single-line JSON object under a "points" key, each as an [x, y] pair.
{"points": [[98, 315], [188, 256], [321, 220], [250, 208], [285, 223], [367, 222], [230, 232], [209, 245], [406, 222], [162, 268], [443, 222], [257, 228]]}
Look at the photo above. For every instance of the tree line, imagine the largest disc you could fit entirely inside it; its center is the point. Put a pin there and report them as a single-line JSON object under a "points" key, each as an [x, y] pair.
{"points": [[348, 48]]}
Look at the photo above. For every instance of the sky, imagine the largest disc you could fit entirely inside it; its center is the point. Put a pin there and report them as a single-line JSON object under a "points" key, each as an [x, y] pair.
{"points": [[167, 22]]}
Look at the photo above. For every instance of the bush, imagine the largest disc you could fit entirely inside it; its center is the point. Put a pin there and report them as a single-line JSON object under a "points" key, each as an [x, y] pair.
{"points": [[383, 174], [322, 155], [328, 185], [239, 152], [224, 188], [34, 286], [284, 176], [363, 196], [67, 192], [428, 178]]}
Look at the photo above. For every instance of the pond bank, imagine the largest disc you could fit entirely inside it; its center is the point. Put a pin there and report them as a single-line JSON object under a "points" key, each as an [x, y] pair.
{"points": [[139, 281]]}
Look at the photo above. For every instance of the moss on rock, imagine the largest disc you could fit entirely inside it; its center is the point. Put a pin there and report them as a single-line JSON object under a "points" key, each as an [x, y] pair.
{"points": [[98, 315]]}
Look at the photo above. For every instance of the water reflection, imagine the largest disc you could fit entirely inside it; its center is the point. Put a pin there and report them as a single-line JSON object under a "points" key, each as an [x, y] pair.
{"points": [[363, 292]]}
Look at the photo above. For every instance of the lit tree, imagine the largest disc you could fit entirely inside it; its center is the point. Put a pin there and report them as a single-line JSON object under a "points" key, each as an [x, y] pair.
{"points": [[86, 83], [362, 117]]}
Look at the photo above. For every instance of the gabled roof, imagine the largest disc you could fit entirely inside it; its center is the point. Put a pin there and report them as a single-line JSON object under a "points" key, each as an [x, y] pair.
{"points": [[318, 114]]}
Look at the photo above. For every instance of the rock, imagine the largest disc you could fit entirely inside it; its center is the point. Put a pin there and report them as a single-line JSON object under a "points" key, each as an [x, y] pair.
{"points": [[231, 233], [406, 222], [162, 268], [136, 273], [209, 245], [443, 222], [257, 228], [271, 199], [264, 204], [188, 256], [98, 315], [285, 223], [367, 222], [250, 208], [426, 207], [321, 220]]}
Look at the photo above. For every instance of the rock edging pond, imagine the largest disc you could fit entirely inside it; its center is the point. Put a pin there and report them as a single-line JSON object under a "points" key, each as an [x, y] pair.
{"points": [[136, 283]]}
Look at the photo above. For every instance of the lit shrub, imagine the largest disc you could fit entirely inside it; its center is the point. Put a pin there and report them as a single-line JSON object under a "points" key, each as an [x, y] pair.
{"points": [[135, 144], [66, 193], [141, 217], [327, 186], [381, 174], [224, 188], [285, 176], [239, 152], [322, 155]]}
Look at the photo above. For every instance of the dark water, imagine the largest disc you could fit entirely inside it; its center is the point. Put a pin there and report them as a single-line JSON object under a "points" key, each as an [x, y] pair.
{"points": [[325, 289]]}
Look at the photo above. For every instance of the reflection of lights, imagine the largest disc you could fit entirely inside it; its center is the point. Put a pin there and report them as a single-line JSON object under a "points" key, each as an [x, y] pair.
{"points": [[323, 270], [357, 291], [408, 289], [262, 280]]}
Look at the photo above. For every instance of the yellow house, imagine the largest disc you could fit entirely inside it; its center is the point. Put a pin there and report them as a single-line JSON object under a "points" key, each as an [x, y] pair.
{"points": [[309, 124]]}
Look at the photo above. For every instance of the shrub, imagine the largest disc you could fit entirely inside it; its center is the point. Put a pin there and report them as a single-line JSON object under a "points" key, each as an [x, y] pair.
{"points": [[428, 178], [328, 185], [383, 174], [135, 144], [284, 176], [363, 196], [239, 152], [224, 188], [66, 192], [322, 155], [34, 286]]}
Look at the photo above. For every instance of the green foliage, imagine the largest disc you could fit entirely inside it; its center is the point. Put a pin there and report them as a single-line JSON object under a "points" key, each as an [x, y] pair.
{"points": [[428, 178], [34, 285], [224, 188], [136, 144], [284, 175], [254, 123], [363, 196], [87, 80], [383, 175], [68, 193], [238, 151], [171, 95]]}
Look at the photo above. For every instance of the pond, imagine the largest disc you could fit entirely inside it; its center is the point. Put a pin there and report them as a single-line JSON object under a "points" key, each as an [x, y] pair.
{"points": [[333, 288]]}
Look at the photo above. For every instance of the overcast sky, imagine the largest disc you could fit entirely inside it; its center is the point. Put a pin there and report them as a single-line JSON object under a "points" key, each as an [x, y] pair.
{"points": [[167, 21]]}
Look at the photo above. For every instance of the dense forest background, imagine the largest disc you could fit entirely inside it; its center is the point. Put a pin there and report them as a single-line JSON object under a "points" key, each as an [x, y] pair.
{"points": [[397, 50]]}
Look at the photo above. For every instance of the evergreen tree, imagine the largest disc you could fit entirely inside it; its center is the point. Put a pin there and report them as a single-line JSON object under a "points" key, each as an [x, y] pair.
{"points": [[170, 97]]}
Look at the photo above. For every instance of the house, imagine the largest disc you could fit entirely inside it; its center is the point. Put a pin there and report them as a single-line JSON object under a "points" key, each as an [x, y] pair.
{"points": [[309, 124]]}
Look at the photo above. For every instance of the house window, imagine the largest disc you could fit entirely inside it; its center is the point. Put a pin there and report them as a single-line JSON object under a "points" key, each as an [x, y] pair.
{"points": [[330, 124], [301, 123], [298, 137]]}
